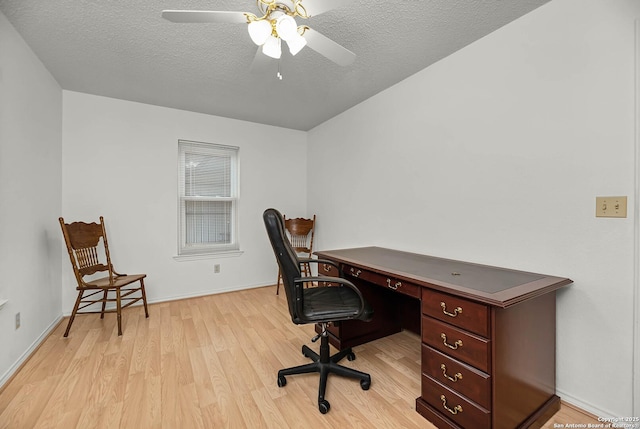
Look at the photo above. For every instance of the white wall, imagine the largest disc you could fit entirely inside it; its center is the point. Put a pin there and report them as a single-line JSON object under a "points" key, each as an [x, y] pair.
{"points": [[30, 194], [120, 161], [495, 155]]}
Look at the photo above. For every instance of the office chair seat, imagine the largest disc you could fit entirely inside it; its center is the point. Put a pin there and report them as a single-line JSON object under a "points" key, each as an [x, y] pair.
{"points": [[333, 303]]}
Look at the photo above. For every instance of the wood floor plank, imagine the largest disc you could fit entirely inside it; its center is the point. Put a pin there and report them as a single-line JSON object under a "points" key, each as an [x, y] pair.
{"points": [[210, 362], [169, 391], [29, 404]]}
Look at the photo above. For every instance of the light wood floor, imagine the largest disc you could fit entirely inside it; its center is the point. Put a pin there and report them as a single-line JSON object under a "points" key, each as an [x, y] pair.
{"points": [[209, 362]]}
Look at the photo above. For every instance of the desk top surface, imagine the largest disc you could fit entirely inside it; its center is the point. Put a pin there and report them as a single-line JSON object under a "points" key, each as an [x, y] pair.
{"points": [[492, 285]]}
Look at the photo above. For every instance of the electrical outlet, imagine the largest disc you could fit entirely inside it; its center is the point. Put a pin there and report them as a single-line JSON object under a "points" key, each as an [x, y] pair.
{"points": [[611, 206], [216, 268], [17, 320]]}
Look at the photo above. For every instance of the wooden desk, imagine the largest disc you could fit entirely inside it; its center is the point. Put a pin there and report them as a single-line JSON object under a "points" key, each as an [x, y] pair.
{"points": [[488, 333]]}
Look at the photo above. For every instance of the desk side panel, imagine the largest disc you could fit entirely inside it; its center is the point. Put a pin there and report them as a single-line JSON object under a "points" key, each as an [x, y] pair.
{"points": [[524, 364]]}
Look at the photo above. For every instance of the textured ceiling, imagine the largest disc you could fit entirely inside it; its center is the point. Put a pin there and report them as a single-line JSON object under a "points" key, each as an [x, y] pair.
{"points": [[124, 49]]}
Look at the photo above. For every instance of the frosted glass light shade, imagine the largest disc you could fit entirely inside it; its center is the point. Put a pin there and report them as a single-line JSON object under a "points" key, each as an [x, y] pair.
{"points": [[271, 47], [259, 31], [286, 27], [296, 44]]}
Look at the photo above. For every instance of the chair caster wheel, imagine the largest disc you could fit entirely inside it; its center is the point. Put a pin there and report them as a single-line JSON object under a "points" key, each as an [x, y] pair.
{"points": [[365, 384], [351, 357], [282, 381], [324, 406], [304, 352]]}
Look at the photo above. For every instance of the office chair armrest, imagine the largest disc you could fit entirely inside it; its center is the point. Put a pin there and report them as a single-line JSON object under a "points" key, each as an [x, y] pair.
{"points": [[323, 261], [302, 261], [341, 281]]}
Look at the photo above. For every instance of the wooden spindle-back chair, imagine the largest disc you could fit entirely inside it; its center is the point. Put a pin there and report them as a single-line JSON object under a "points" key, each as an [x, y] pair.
{"points": [[88, 248], [300, 232]]}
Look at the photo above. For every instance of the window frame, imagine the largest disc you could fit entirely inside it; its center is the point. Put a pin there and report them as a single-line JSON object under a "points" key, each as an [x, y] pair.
{"points": [[197, 251]]}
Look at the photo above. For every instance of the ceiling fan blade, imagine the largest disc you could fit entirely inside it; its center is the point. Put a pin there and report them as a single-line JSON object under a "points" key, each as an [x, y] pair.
{"points": [[328, 48], [316, 7], [203, 16], [261, 63]]}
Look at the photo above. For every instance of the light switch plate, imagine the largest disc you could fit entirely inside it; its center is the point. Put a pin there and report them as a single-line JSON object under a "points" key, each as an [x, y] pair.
{"points": [[611, 206]]}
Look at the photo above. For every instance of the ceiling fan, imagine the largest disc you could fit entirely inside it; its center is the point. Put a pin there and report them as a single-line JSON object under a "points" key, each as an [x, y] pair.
{"points": [[275, 23]]}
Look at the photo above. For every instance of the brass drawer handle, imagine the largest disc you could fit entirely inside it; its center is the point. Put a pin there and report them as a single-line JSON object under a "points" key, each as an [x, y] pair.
{"points": [[455, 410], [355, 273], [326, 267], [454, 346], [455, 313], [457, 376], [395, 286]]}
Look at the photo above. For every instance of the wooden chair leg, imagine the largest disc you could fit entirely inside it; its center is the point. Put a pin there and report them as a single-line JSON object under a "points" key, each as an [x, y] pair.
{"points": [[144, 299], [119, 311], [306, 270], [104, 303], [73, 313], [278, 282]]}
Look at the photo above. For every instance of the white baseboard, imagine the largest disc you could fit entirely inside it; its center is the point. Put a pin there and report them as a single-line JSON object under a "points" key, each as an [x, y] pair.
{"points": [[27, 353], [191, 295], [206, 293], [581, 404]]}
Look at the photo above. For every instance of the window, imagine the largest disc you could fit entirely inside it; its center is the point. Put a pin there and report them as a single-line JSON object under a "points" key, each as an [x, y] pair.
{"points": [[208, 198]]}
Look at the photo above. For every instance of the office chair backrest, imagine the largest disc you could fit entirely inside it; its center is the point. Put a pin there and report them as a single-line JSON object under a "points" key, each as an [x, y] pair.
{"points": [[287, 260]]}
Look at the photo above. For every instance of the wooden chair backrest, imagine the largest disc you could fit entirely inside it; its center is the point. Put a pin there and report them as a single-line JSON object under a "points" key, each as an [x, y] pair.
{"points": [[301, 233], [84, 248]]}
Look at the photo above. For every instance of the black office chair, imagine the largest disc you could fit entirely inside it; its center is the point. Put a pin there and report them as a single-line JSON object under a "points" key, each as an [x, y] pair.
{"points": [[322, 305]]}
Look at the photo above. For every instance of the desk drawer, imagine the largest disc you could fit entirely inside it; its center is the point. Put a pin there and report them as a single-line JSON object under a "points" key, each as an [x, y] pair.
{"points": [[454, 406], [464, 379], [460, 312], [329, 271], [385, 281], [456, 343]]}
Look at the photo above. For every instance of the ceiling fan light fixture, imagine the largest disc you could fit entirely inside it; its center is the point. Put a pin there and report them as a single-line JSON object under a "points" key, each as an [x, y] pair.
{"points": [[286, 27], [296, 44], [259, 31], [276, 22], [271, 47]]}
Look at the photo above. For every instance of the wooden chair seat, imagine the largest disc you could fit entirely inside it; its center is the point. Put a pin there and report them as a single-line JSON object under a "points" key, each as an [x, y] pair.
{"points": [[118, 281]]}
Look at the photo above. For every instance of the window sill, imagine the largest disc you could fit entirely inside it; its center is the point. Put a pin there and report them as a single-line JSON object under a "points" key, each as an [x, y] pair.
{"points": [[213, 255]]}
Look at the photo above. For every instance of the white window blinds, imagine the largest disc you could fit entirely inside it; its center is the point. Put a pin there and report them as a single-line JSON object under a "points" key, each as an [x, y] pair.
{"points": [[208, 198]]}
